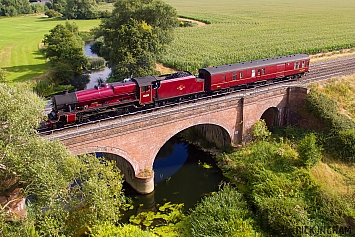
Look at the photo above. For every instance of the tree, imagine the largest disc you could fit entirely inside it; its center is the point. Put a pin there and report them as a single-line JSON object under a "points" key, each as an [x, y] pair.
{"points": [[65, 48], [66, 194], [81, 9], [135, 34], [59, 5], [14, 7]]}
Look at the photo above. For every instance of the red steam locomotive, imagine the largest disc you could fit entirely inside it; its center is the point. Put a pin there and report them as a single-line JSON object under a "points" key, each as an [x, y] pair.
{"points": [[144, 92]]}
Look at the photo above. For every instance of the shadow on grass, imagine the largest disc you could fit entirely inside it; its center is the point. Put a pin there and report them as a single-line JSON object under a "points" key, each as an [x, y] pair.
{"points": [[44, 18], [27, 71]]}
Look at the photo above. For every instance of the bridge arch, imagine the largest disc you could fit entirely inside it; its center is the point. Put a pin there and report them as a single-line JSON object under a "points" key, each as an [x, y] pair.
{"points": [[109, 150], [224, 127], [271, 117]]}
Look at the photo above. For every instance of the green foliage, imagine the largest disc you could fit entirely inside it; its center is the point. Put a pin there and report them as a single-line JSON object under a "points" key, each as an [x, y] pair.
{"points": [[223, 214], [346, 144], [340, 137], [168, 214], [111, 230], [3, 74], [260, 131], [96, 63], [14, 7], [44, 88], [282, 192], [77, 9], [52, 13], [187, 24], [81, 9], [66, 195], [37, 8], [134, 35], [65, 50], [309, 152]]}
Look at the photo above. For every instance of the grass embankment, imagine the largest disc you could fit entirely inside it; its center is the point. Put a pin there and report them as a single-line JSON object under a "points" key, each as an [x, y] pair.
{"points": [[337, 175], [290, 198], [20, 41], [244, 30]]}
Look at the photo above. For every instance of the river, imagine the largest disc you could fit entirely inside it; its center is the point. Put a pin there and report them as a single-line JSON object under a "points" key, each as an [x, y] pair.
{"points": [[95, 75], [183, 174]]}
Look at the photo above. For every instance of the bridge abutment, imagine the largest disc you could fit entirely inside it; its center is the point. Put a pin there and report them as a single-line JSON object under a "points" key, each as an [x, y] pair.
{"points": [[144, 183]]}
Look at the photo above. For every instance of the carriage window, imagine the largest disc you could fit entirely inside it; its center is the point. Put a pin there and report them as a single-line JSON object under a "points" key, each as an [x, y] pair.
{"points": [[302, 64], [145, 88], [263, 71], [259, 72], [297, 65], [253, 73], [240, 75], [307, 63], [234, 77]]}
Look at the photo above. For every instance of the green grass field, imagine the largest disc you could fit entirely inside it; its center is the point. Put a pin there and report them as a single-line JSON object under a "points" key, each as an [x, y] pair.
{"points": [[244, 30], [19, 41], [240, 31]]}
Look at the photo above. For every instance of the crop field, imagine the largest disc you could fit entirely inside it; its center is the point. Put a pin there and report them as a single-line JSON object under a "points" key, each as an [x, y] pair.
{"points": [[19, 41], [244, 30]]}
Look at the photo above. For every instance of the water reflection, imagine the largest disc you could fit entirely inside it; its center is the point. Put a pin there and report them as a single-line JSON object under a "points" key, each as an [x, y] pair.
{"points": [[169, 160], [95, 75], [180, 177]]}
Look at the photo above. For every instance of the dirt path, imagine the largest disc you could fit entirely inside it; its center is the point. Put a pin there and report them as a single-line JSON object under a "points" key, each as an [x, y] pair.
{"points": [[199, 23], [164, 70], [321, 57]]}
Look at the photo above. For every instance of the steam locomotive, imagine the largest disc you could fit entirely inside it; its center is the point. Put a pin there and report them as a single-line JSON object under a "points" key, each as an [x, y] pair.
{"points": [[149, 91]]}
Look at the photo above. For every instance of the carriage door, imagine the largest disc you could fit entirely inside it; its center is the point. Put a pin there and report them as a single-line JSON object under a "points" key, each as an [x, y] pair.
{"points": [[145, 95], [280, 70]]}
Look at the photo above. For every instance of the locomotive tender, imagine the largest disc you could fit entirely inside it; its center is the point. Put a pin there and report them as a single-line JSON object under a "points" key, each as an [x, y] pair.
{"points": [[144, 92]]}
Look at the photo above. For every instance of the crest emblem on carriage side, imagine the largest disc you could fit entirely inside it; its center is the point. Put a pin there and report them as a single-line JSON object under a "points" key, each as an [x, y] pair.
{"points": [[181, 87]]}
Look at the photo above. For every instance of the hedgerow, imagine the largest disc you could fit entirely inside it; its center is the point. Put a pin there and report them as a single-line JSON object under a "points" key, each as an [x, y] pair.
{"points": [[339, 137], [283, 194]]}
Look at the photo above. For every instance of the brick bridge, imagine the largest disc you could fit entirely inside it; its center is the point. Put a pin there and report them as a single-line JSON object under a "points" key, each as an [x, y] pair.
{"points": [[134, 141]]}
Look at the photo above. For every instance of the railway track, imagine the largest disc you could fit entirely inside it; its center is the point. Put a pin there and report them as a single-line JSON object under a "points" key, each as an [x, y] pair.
{"points": [[329, 69], [318, 72]]}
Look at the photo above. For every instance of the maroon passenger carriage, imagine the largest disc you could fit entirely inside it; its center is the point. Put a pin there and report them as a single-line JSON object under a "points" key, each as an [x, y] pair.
{"points": [[144, 92], [247, 73]]}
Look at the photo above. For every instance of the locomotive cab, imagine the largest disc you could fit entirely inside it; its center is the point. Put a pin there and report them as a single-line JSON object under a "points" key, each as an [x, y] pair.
{"points": [[146, 86]]}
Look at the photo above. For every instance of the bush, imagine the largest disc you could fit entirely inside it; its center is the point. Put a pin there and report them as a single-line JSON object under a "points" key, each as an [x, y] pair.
{"points": [[52, 13], [309, 152], [3, 75], [340, 140], [37, 7], [260, 131], [44, 88], [96, 63], [62, 73], [223, 214], [110, 230], [345, 144]]}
